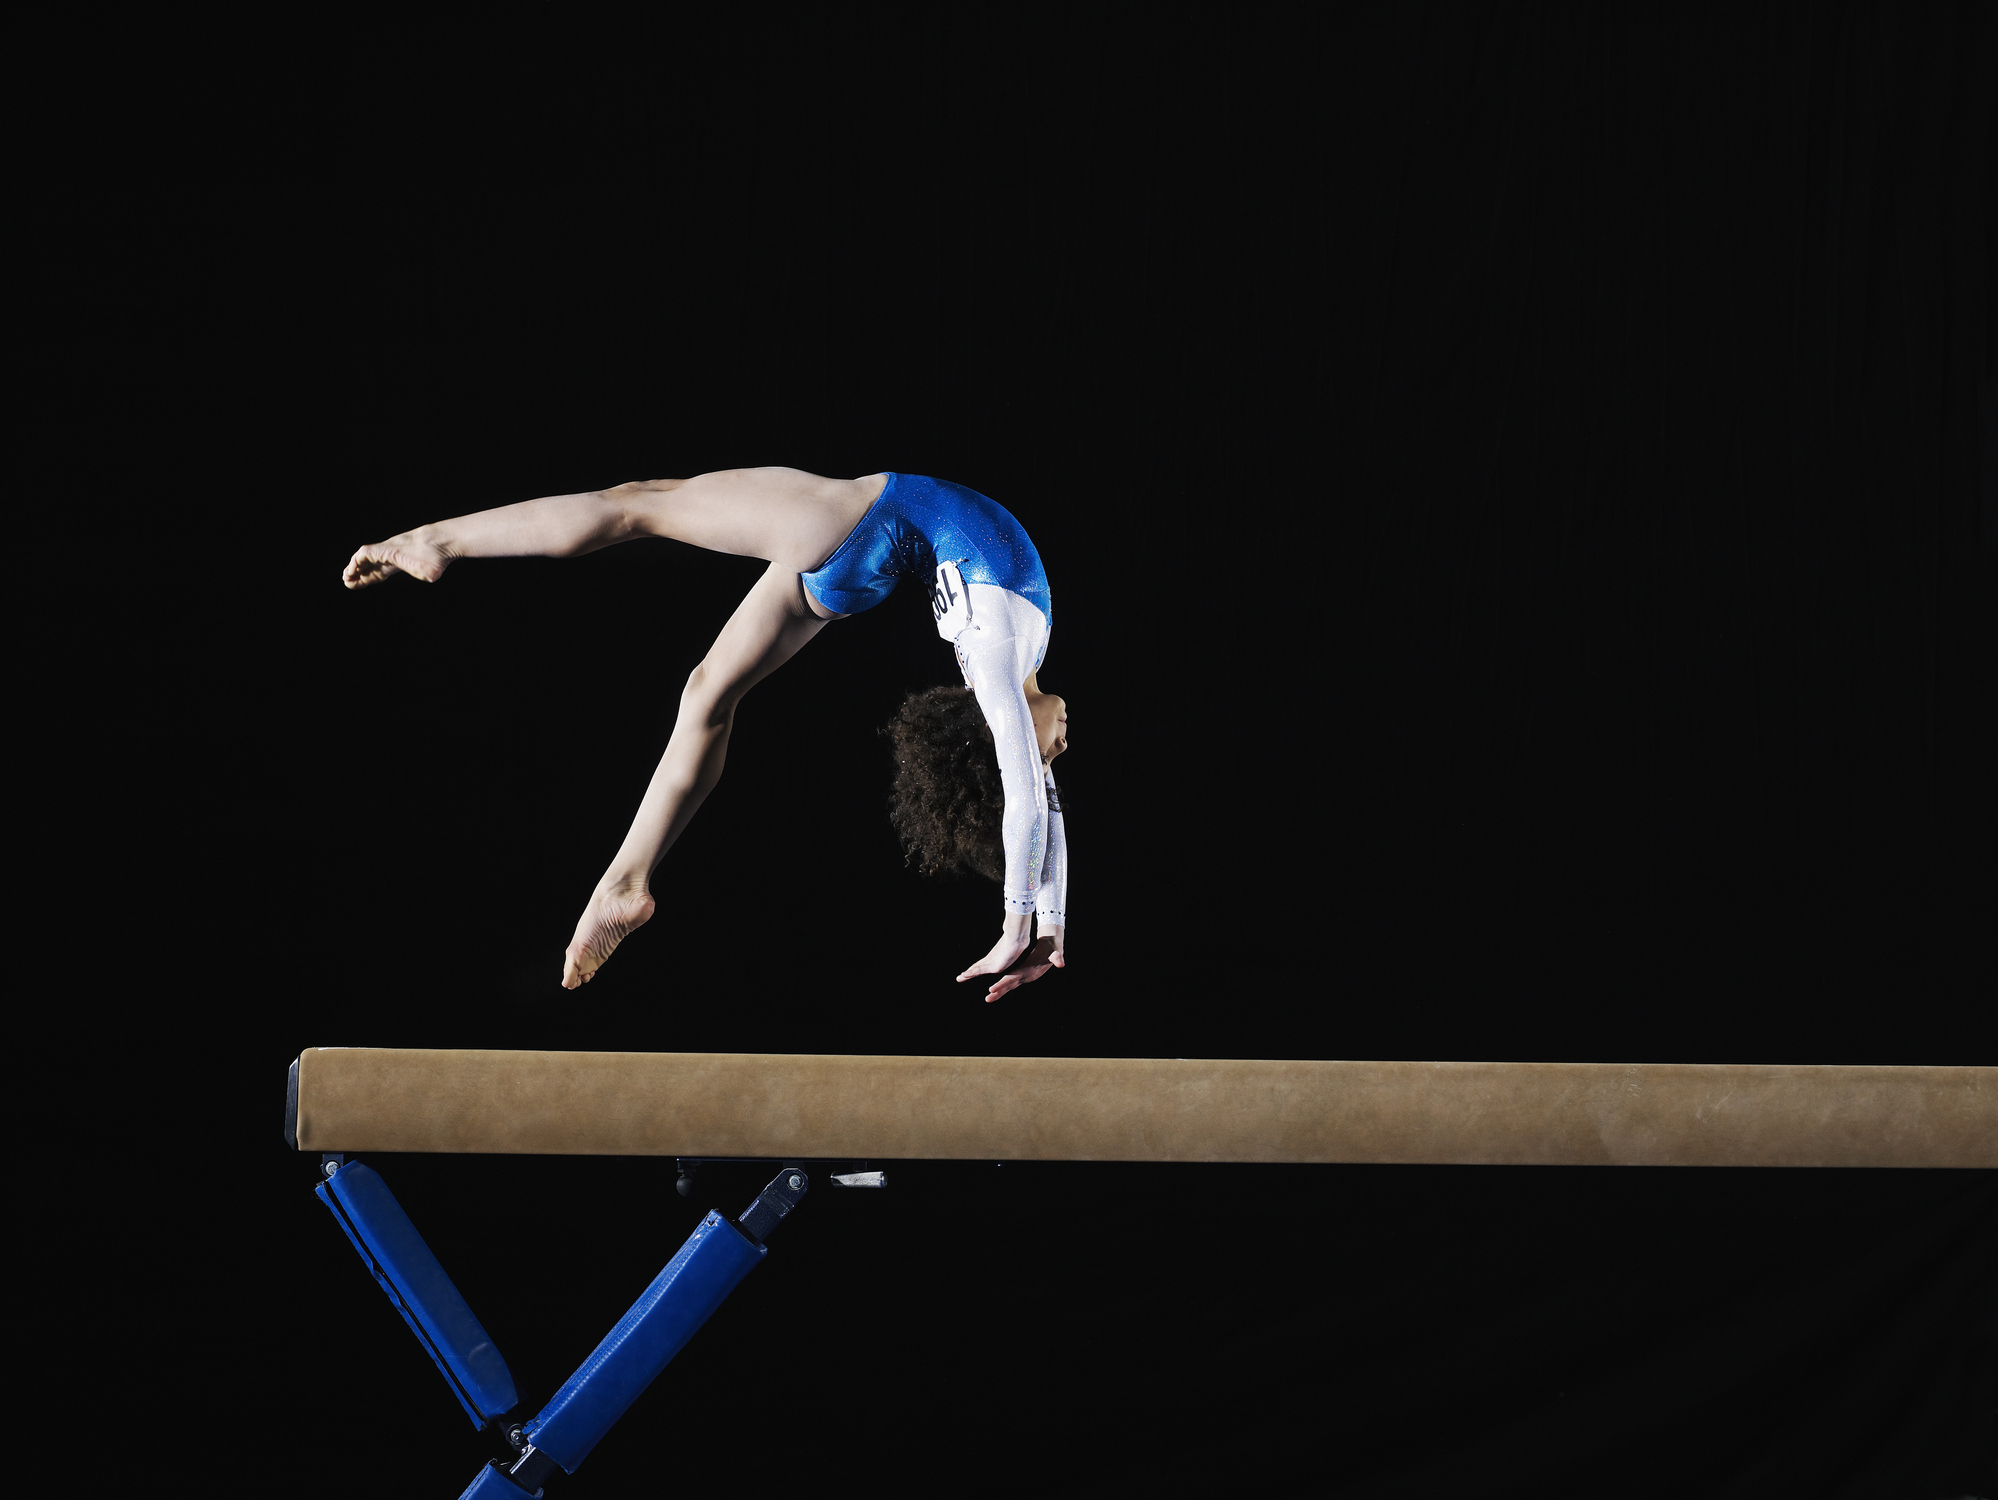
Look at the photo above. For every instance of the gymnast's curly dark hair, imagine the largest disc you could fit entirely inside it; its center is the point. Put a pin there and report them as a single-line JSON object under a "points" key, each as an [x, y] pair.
{"points": [[948, 805]]}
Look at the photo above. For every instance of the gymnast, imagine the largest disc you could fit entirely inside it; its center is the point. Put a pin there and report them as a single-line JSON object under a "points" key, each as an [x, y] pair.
{"points": [[974, 784]]}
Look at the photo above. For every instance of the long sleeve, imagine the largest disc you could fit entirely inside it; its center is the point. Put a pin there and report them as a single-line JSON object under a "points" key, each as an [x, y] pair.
{"points": [[1051, 898], [1002, 645], [1025, 825]]}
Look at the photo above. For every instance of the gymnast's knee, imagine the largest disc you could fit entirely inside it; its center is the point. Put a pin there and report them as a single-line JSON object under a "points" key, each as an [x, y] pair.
{"points": [[707, 696]]}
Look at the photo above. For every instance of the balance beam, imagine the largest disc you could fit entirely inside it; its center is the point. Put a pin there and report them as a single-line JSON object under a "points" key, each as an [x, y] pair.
{"points": [[801, 1107]]}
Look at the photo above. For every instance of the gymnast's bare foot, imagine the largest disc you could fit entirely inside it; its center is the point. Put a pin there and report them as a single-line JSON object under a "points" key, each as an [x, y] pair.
{"points": [[412, 553], [613, 915]]}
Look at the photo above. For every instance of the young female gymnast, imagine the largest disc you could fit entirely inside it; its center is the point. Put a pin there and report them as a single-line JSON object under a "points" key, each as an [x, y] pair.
{"points": [[835, 547]]}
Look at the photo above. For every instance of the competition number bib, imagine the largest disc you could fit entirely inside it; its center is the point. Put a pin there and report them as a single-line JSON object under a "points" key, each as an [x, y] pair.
{"points": [[949, 601]]}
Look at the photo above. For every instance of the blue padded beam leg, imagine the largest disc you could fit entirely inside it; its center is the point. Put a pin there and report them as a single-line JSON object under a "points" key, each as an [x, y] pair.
{"points": [[681, 1298], [493, 1483], [433, 1308], [715, 1258]]}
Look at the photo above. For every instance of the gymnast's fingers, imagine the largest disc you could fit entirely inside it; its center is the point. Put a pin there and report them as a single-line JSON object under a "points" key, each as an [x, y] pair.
{"points": [[1012, 981], [1026, 971], [365, 568], [1006, 985]]}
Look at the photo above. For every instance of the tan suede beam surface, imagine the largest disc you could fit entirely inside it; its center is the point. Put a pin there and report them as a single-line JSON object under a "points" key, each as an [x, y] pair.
{"points": [[1115, 1109]]}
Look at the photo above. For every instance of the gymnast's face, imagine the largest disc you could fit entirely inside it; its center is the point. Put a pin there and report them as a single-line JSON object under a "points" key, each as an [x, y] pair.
{"points": [[1050, 725]]}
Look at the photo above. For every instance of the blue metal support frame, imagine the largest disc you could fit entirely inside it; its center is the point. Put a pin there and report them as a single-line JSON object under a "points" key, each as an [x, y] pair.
{"points": [[430, 1304], [683, 1296]]}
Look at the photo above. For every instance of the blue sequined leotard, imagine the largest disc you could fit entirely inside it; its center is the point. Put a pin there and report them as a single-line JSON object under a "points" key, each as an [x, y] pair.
{"points": [[914, 525]]}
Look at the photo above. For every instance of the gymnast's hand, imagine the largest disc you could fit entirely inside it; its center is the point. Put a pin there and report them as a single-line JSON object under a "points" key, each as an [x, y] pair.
{"points": [[412, 553], [1016, 960]]}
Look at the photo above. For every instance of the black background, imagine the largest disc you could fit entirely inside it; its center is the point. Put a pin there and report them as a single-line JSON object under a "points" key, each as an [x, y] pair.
{"points": [[1511, 481]]}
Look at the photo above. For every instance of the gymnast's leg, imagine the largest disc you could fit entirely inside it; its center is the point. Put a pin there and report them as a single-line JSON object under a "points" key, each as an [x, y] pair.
{"points": [[793, 519], [767, 629], [780, 515]]}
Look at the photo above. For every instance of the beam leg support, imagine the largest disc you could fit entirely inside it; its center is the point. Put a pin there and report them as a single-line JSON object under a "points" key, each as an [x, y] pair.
{"points": [[717, 1255]]}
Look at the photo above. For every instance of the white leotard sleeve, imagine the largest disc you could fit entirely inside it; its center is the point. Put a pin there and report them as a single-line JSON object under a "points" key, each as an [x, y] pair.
{"points": [[1051, 899], [1004, 643]]}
